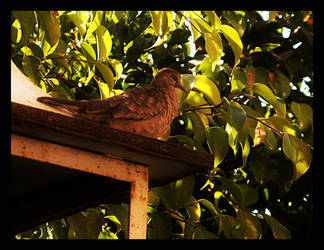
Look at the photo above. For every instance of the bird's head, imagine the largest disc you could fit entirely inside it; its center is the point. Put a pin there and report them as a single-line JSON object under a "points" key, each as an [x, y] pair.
{"points": [[168, 77]]}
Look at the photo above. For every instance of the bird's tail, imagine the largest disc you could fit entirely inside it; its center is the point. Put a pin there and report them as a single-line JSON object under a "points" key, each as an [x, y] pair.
{"points": [[65, 105]]}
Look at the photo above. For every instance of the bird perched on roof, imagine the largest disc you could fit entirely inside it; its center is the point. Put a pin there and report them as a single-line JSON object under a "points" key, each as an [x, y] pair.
{"points": [[146, 111]]}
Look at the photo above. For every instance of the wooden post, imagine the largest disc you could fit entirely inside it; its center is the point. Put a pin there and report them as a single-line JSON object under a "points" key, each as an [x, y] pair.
{"points": [[94, 163]]}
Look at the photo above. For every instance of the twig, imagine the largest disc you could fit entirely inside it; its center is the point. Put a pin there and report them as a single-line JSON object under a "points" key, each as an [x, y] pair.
{"points": [[272, 128]]}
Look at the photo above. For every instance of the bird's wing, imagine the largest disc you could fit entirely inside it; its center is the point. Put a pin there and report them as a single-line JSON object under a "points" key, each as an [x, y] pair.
{"points": [[140, 103], [136, 103]]}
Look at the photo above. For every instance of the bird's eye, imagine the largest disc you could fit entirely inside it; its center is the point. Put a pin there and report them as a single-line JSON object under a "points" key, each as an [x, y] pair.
{"points": [[175, 79]]}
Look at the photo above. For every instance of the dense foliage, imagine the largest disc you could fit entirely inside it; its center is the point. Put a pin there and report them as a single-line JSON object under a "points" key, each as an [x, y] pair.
{"points": [[250, 105]]}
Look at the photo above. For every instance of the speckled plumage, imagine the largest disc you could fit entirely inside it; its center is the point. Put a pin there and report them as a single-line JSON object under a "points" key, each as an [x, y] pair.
{"points": [[147, 111]]}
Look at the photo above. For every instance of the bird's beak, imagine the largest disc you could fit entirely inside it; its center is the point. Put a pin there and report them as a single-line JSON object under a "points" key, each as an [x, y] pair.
{"points": [[182, 87]]}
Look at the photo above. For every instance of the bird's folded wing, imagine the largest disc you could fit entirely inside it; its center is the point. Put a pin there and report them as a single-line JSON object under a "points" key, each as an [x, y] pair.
{"points": [[141, 103], [136, 103]]}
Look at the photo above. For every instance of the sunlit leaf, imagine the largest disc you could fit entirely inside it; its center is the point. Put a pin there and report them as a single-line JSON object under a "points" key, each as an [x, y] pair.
{"points": [[117, 66], [27, 21], [298, 152], [214, 46], [281, 123], [164, 23], [216, 22], [16, 32], [88, 51], [51, 26], [106, 73], [238, 81], [104, 43], [259, 135], [245, 145], [304, 114], [195, 99], [234, 41], [156, 21], [235, 115], [217, 140], [208, 88], [78, 22], [94, 24], [265, 92], [202, 25]]}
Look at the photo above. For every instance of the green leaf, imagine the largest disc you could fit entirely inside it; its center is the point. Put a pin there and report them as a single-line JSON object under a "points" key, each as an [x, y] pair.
{"points": [[304, 114], [182, 190], [78, 225], [278, 230], [264, 91], [233, 188], [164, 23], [249, 225], [117, 66], [27, 21], [51, 26], [198, 128], [245, 145], [106, 73], [238, 81], [194, 213], [94, 221], [195, 99], [161, 225], [281, 123], [176, 194], [217, 140], [78, 22], [203, 26], [249, 194], [298, 152], [235, 115], [234, 41], [94, 24], [214, 19], [214, 46], [121, 212], [61, 61], [210, 207], [31, 66], [202, 233], [104, 43], [284, 84], [208, 88], [156, 21], [88, 51]]}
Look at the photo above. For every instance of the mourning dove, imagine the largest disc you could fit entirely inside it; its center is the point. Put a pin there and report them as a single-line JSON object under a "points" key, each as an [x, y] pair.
{"points": [[146, 111]]}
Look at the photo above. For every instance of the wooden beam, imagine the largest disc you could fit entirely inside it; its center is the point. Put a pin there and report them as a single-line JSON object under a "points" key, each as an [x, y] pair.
{"points": [[93, 163]]}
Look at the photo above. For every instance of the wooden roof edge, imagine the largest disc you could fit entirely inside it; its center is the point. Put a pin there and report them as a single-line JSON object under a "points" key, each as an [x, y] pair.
{"points": [[95, 131]]}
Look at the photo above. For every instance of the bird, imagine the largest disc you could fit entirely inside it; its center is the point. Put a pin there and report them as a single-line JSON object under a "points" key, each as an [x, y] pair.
{"points": [[147, 111]]}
